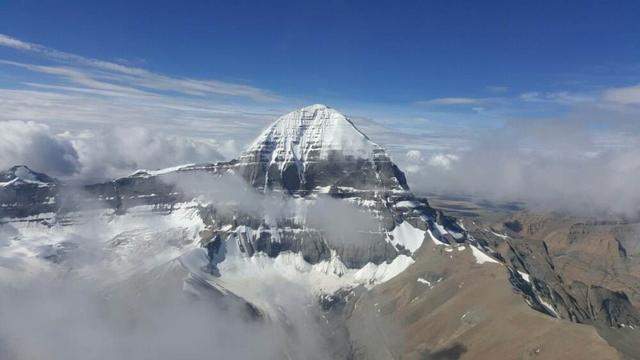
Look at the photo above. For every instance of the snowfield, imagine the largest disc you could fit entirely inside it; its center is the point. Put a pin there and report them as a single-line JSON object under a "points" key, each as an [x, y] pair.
{"points": [[406, 236]]}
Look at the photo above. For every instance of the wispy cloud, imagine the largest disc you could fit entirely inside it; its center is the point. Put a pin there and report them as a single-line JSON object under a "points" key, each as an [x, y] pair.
{"points": [[78, 108], [94, 73], [517, 105], [79, 77], [14, 43], [558, 97]]}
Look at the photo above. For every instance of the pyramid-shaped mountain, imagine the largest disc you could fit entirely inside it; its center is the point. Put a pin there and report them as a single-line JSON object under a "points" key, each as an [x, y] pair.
{"points": [[315, 147]]}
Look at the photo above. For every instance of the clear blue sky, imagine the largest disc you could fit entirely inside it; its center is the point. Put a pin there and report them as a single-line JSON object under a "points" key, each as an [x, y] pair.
{"points": [[383, 51], [414, 64]]}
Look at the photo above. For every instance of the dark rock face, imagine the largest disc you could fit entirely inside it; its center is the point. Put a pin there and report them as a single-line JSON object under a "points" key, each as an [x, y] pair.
{"points": [[552, 277], [24, 192], [611, 307], [380, 173], [314, 246], [253, 235], [27, 200]]}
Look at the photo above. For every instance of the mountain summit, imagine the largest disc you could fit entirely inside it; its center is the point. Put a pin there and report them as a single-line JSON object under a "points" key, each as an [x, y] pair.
{"points": [[21, 174], [317, 146], [313, 133]]}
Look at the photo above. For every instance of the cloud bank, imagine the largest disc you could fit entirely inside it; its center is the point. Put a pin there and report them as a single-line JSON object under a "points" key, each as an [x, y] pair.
{"points": [[33, 144], [95, 307], [552, 165], [101, 154]]}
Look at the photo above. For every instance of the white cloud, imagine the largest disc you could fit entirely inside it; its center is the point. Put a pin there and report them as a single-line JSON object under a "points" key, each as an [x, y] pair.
{"points": [[32, 144], [556, 164], [84, 109], [94, 307], [558, 97], [97, 155], [414, 155], [13, 43], [98, 74], [442, 160], [118, 152]]}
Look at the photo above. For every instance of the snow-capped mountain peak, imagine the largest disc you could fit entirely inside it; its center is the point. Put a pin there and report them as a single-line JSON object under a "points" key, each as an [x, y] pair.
{"points": [[317, 146], [21, 174], [313, 133]]}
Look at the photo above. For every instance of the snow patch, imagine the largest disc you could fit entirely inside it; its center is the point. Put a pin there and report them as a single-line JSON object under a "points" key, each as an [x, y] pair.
{"points": [[548, 307], [143, 172], [407, 204], [499, 235], [371, 274], [525, 276], [481, 257], [406, 235]]}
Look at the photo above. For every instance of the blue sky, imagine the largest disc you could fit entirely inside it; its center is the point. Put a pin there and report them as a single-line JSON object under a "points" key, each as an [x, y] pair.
{"points": [[418, 67], [365, 51]]}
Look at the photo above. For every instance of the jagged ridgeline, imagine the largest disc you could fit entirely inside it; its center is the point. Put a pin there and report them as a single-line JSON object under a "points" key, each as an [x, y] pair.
{"points": [[309, 154]]}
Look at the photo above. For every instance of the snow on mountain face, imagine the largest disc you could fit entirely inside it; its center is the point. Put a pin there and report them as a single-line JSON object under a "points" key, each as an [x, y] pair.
{"points": [[310, 134]]}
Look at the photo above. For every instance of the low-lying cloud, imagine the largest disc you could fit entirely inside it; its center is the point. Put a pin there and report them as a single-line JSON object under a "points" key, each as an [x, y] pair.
{"points": [[552, 165], [33, 144], [101, 154], [117, 152], [87, 304], [340, 220], [74, 319]]}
